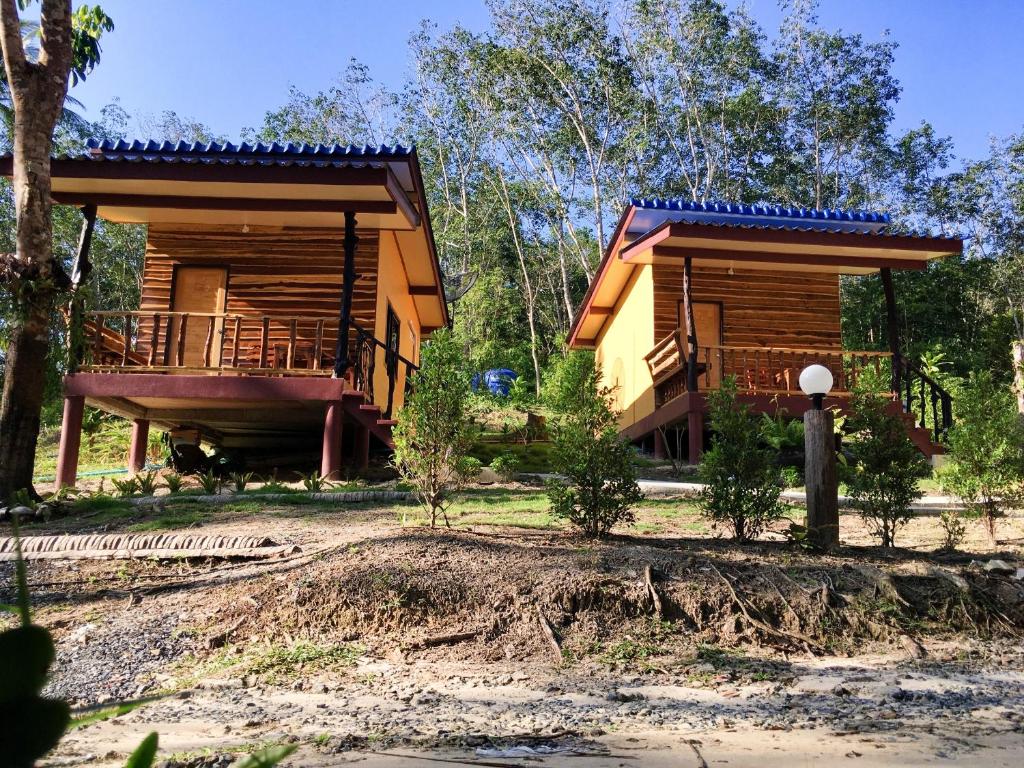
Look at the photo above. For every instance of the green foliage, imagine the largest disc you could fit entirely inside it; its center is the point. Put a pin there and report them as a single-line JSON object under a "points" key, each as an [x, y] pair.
{"points": [[953, 529], [129, 486], [791, 477], [144, 754], [469, 468], [883, 479], [782, 433], [567, 377], [600, 489], [433, 435], [314, 482], [986, 449], [173, 482], [506, 466], [240, 480], [89, 23], [742, 481], [147, 483], [210, 482]]}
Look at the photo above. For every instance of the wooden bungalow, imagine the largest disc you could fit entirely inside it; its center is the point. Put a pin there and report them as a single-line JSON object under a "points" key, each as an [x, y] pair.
{"points": [[688, 293], [285, 294]]}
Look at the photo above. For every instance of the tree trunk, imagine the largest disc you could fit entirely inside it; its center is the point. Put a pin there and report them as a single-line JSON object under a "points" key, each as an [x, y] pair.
{"points": [[38, 89], [1018, 373]]}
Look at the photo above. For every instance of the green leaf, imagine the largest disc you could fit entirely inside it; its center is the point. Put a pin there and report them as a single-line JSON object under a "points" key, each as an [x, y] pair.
{"points": [[107, 713], [267, 758], [144, 754]]}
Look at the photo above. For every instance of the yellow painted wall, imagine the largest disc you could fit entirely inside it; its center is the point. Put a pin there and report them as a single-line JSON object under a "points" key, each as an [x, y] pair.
{"points": [[627, 336], [393, 287]]}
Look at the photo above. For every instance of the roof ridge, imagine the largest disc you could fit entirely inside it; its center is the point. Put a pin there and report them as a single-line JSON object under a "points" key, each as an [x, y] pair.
{"points": [[97, 147], [758, 209]]}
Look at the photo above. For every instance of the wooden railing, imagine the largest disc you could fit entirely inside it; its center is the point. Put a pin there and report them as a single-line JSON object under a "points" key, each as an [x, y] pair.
{"points": [[921, 396], [758, 370], [202, 342]]}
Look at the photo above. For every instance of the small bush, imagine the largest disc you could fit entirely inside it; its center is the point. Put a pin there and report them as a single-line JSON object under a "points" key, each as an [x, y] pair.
{"points": [[791, 477], [147, 483], [314, 482], [953, 529], [127, 487], [173, 482], [210, 483], [742, 481], [434, 434], [239, 480], [986, 450], [600, 488], [469, 468], [886, 467], [506, 466]]}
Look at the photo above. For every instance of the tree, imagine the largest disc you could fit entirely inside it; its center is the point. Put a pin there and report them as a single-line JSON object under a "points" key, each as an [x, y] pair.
{"points": [[433, 434], [599, 489], [68, 47], [986, 449], [742, 481], [883, 481]]}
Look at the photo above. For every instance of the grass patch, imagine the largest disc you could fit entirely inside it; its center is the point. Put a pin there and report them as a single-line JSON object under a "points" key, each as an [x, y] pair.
{"points": [[533, 457], [174, 518], [503, 507], [278, 663]]}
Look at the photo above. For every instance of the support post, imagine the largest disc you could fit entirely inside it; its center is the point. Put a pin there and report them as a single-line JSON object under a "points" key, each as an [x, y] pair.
{"points": [[892, 326], [1018, 377], [139, 445], [691, 326], [80, 269], [659, 445], [695, 435], [820, 479], [341, 361], [362, 456], [70, 441], [330, 460]]}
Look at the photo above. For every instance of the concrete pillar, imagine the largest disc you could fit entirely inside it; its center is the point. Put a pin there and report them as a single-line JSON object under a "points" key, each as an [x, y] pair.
{"points": [[695, 435], [70, 441], [139, 445], [362, 449], [330, 461], [820, 479], [659, 445]]}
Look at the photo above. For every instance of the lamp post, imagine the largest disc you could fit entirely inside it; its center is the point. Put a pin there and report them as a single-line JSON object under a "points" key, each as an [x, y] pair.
{"points": [[820, 460]]}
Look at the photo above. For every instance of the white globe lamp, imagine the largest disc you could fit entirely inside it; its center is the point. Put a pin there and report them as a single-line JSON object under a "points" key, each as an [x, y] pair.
{"points": [[816, 382]]}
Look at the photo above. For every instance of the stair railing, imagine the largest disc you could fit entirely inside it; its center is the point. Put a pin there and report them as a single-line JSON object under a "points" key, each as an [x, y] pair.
{"points": [[918, 393], [365, 361]]}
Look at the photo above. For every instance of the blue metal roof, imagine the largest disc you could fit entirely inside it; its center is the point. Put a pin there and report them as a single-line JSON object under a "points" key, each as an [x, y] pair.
{"points": [[652, 212], [121, 149]]}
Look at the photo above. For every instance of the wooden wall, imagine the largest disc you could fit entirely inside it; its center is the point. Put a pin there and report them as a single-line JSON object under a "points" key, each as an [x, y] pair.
{"points": [[276, 271], [759, 308]]}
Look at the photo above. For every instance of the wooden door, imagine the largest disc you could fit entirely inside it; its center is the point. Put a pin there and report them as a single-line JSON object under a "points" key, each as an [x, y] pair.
{"points": [[202, 290], [707, 317]]}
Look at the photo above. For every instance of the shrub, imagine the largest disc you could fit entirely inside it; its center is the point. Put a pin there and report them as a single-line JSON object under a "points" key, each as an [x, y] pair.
{"points": [[506, 466], [469, 468], [433, 434], [791, 477], [885, 468], [562, 384], [314, 482], [240, 480], [600, 486], [127, 487], [210, 483], [986, 450], [147, 483], [742, 482], [953, 529], [173, 482]]}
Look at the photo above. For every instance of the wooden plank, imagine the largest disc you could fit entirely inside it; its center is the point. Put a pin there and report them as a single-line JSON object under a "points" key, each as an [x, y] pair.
{"points": [[189, 202]]}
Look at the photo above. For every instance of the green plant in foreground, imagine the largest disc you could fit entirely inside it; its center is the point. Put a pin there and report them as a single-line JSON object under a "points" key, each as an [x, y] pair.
{"points": [[600, 488], [210, 483], [240, 480], [173, 482], [953, 529], [742, 483], [127, 487], [147, 483], [314, 482]]}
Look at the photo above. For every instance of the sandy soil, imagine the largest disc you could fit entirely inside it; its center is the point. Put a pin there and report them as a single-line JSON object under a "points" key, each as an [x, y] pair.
{"points": [[326, 649]]}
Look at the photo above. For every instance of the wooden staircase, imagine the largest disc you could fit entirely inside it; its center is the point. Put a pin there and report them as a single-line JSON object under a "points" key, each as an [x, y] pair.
{"points": [[369, 415], [922, 437]]}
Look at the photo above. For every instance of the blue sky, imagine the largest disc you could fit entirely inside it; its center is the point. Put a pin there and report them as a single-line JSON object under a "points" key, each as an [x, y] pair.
{"points": [[227, 62]]}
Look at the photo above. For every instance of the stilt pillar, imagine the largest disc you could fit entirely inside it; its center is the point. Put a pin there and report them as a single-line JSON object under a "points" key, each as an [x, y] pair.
{"points": [[820, 479], [659, 445], [70, 441], [330, 461], [362, 449], [139, 445], [695, 435]]}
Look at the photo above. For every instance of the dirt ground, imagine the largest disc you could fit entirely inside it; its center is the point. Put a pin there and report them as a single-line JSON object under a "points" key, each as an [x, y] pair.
{"points": [[387, 644]]}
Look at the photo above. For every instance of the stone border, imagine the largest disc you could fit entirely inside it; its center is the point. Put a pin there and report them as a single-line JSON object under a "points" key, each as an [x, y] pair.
{"points": [[351, 497]]}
